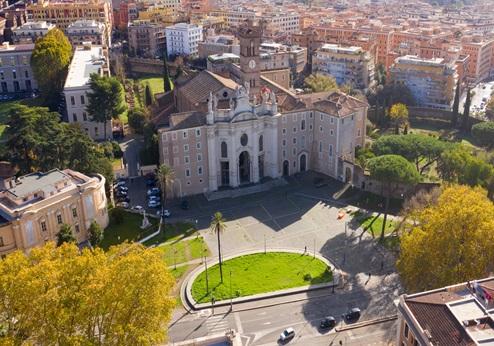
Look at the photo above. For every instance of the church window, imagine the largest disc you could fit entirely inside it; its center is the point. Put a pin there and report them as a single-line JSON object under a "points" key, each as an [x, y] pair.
{"points": [[302, 125], [244, 139], [224, 149], [261, 143]]}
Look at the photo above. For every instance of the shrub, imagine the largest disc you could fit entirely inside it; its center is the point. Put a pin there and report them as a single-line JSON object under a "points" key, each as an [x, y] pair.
{"points": [[307, 277], [484, 133]]}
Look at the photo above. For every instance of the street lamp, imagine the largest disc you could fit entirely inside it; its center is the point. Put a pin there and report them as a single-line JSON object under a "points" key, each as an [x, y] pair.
{"points": [[206, 269], [231, 296], [264, 243]]}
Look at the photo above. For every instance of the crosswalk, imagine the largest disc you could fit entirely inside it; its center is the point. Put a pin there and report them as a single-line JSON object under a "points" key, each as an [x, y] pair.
{"points": [[217, 324]]}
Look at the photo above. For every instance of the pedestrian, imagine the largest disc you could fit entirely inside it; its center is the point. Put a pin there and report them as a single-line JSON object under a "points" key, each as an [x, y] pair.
{"points": [[305, 249], [369, 275], [382, 265]]}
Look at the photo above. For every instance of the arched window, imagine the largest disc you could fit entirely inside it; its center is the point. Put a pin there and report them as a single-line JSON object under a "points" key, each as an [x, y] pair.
{"points": [[302, 125], [261, 143], [224, 149], [251, 48]]}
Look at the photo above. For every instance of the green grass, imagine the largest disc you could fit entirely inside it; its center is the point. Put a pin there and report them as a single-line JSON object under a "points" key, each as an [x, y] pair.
{"points": [[183, 251], [155, 83], [179, 272], [129, 229], [374, 224], [260, 273], [173, 232]]}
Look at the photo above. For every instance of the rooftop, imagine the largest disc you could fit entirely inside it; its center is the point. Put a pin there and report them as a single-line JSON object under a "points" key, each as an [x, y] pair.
{"points": [[28, 184], [86, 60], [415, 60], [455, 315], [340, 49], [6, 47]]}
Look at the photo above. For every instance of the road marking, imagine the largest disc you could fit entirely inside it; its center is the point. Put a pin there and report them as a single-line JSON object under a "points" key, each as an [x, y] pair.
{"points": [[238, 323], [267, 323]]}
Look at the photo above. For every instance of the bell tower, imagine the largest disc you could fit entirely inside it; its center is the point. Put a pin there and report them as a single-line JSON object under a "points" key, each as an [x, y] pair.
{"points": [[249, 36]]}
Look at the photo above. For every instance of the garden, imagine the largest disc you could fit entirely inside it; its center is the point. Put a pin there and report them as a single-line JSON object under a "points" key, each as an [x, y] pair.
{"points": [[260, 273]]}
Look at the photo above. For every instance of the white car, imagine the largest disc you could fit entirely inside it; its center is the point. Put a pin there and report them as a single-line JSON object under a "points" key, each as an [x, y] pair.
{"points": [[287, 334], [154, 204], [166, 213], [120, 183], [123, 205], [137, 208]]}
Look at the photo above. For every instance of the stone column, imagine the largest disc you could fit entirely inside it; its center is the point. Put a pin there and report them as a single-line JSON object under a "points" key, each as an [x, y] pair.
{"points": [[212, 159], [233, 158], [255, 156]]}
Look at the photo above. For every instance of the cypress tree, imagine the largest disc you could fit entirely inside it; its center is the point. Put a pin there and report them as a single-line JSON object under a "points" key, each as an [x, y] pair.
{"points": [[456, 105], [167, 83], [466, 111], [148, 96]]}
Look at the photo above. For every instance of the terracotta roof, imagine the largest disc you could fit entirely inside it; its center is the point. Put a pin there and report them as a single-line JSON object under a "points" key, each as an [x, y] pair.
{"points": [[441, 324], [338, 103], [442, 297], [186, 120], [197, 89]]}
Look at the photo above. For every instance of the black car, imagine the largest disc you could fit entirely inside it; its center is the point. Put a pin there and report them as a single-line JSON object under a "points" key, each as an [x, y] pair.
{"points": [[184, 205], [327, 323], [150, 182], [123, 199], [352, 315]]}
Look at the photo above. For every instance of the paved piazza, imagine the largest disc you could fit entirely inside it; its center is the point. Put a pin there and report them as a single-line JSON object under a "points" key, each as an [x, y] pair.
{"points": [[295, 216]]}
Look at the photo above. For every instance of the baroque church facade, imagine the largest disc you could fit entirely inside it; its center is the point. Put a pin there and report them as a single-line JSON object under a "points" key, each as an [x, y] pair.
{"points": [[231, 132]]}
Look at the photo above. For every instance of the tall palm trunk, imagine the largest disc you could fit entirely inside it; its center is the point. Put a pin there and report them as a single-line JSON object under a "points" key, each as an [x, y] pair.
{"points": [[219, 252], [386, 207], [162, 216]]}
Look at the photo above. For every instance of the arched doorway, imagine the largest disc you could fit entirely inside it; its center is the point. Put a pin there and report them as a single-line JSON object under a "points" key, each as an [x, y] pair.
{"points": [[244, 167], [286, 168], [303, 163]]}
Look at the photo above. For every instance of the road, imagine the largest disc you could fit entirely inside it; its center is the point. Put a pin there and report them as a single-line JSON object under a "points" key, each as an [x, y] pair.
{"points": [[131, 146], [296, 216], [481, 91]]}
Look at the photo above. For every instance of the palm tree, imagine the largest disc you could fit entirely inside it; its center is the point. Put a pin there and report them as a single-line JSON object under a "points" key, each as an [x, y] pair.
{"points": [[165, 178], [218, 225]]}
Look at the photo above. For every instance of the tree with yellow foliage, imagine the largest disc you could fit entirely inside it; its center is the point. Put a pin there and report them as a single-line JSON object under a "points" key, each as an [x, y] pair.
{"points": [[452, 240], [399, 115], [62, 296]]}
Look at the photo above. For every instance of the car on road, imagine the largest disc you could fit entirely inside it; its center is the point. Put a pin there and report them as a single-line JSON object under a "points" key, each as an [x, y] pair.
{"points": [[287, 334], [154, 191], [124, 205], [123, 188], [184, 205], [137, 208], [327, 322], [166, 213], [150, 182], [120, 183], [352, 315], [154, 204], [154, 198], [121, 194]]}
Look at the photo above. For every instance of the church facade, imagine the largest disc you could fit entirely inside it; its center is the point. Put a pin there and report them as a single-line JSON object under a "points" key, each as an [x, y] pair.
{"points": [[246, 129]]}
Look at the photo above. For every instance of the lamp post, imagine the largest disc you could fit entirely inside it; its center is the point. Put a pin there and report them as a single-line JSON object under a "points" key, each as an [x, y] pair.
{"points": [[264, 243], [206, 270], [231, 296]]}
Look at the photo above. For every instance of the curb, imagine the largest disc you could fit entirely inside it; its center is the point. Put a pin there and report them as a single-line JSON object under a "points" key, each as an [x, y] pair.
{"points": [[366, 323], [186, 295]]}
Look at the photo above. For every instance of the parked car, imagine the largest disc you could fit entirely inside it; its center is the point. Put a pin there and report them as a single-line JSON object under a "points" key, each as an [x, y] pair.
{"points": [[154, 204], [120, 183], [121, 194], [137, 208], [150, 182], [184, 205], [327, 323], [123, 199], [123, 205], [154, 191], [352, 315], [166, 213], [123, 188], [287, 334], [154, 198]]}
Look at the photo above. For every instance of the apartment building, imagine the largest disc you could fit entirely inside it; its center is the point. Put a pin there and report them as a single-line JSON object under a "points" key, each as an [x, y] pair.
{"points": [[16, 75], [235, 17], [432, 82], [30, 31], [347, 65], [33, 207], [84, 30], [480, 50], [454, 315], [87, 60], [63, 13], [146, 39], [183, 39], [281, 22], [297, 56]]}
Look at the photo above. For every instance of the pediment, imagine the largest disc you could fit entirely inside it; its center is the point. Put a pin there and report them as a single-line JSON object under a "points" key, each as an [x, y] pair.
{"points": [[243, 116]]}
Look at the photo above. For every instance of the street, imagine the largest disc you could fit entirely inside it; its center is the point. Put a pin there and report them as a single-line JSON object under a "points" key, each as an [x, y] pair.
{"points": [[481, 94], [296, 216]]}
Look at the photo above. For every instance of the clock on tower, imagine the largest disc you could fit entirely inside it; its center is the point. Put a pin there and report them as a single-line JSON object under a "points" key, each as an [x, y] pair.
{"points": [[249, 36]]}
